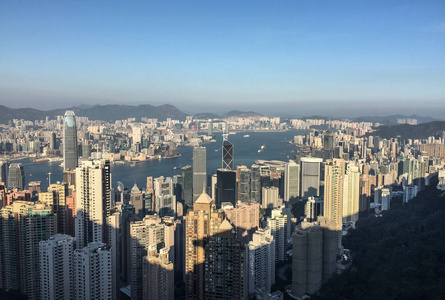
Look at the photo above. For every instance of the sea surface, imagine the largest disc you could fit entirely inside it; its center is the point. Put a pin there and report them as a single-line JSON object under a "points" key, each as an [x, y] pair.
{"points": [[245, 152]]}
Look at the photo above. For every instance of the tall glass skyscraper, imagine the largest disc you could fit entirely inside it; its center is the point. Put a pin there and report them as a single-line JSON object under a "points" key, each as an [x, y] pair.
{"points": [[199, 171], [69, 141], [16, 176], [227, 154], [4, 168]]}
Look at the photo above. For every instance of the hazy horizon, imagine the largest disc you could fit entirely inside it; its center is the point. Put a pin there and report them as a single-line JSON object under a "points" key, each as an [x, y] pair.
{"points": [[265, 110]]}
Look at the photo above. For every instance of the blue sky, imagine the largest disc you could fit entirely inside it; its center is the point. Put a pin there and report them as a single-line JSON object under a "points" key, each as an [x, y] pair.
{"points": [[277, 57]]}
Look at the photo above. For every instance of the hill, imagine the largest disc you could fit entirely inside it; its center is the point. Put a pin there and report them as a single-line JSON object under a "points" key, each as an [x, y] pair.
{"points": [[392, 119], [400, 255], [241, 114], [406, 131], [109, 113]]}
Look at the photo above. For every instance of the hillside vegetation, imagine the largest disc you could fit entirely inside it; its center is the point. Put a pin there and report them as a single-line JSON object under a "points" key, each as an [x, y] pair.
{"points": [[400, 255]]}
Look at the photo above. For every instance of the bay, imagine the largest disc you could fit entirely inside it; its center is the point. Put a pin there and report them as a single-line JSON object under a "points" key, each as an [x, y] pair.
{"points": [[245, 152]]}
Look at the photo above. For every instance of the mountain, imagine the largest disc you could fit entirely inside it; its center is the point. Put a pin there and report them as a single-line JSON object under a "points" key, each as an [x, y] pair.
{"points": [[109, 112], [406, 131], [241, 114], [390, 120], [206, 116]]}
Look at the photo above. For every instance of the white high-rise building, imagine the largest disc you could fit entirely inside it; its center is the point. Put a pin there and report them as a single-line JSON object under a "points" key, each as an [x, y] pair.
{"points": [[279, 224], [93, 272], [270, 197], [351, 194], [291, 180], [93, 202], [137, 133], [261, 261], [56, 267]]}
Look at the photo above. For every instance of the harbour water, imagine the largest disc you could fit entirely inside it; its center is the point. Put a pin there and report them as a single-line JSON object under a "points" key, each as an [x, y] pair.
{"points": [[245, 152]]}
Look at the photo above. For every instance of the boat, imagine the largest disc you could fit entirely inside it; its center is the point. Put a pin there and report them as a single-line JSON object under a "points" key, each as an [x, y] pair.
{"points": [[216, 150], [246, 135], [55, 159], [263, 147], [259, 150], [232, 132], [41, 160]]}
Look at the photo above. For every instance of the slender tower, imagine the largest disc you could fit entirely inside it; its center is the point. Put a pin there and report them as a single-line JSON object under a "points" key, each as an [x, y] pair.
{"points": [[69, 141], [199, 171], [16, 176], [93, 202], [227, 153]]}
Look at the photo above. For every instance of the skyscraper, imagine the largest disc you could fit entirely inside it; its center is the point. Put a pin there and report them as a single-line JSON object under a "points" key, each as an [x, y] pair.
{"points": [[261, 261], [224, 265], [93, 272], [328, 144], [333, 194], [291, 181], [200, 224], [69, 141], [187, 185], [93, 192], [307, 260], [280, 226], [255, 184], [143, 234], [22, 225], [310, 177], [158, 277], [270, 197], [56, 267], [227, 154], [199, 171], [60, 192], [137, 134], [16, 176], [52, 141], [351, 194], [137, 200], [165, 200], [4, 169], [225, 186], [245, 217], [244, 185]]}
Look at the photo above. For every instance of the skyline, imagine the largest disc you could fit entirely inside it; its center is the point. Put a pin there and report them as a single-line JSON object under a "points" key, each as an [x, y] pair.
{"points": [[315, 58]]}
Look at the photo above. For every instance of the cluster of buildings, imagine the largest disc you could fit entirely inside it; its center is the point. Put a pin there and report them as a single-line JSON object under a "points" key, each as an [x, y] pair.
{"points": [[126, 141], [199, 235]]}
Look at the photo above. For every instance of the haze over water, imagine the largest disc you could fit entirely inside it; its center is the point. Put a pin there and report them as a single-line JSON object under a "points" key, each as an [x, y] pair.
{"points": [[245, 152]]}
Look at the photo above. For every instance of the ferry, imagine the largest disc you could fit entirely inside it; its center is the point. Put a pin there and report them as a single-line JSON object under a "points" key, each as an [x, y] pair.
{"points": [[41, 160], [55, 159]]}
